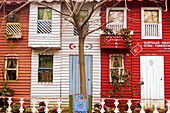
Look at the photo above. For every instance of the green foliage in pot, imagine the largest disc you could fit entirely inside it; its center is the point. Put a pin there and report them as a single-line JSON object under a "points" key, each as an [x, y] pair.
{"points": [[5, 90], [15, 108]]}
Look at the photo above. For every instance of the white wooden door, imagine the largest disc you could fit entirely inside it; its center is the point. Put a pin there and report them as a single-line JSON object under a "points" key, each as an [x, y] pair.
{"points": [[152, 73]]}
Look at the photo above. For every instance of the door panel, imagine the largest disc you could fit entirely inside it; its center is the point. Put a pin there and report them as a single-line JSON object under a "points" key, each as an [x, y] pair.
{"points": [[75, 74], [152, 73]]}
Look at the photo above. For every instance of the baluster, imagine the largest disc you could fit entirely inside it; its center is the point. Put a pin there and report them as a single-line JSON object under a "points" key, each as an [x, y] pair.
{"points": [[116, 104], [46, 106], [155, 105], [21, 107], [168, 104], [9, 105], [142, 107], [102, 103], [129, 105], [33, 109], [59, 107]]}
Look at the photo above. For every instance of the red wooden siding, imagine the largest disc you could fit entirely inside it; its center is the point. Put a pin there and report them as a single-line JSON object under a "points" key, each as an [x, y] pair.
{"points": [[20, 48], [134, 23]]}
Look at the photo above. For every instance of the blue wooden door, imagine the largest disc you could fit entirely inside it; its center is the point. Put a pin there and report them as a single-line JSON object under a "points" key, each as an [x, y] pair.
{"points": [[75, 74]]}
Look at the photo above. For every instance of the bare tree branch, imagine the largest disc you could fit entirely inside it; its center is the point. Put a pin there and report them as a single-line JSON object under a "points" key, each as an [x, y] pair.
{"points": [[96, 29], [52, 8], [68, 6], [91, 12], [85, 31], [68, 19], [81, 5], [72, 4]]}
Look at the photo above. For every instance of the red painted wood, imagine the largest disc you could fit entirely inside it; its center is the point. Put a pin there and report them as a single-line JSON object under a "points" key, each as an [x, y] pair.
{"points": [[134, 23], [21, 49]]}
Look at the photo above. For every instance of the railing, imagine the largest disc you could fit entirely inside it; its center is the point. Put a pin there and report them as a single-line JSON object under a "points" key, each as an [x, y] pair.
{"points": [[103, 102], [44, 26], [151, 29], [115, 27], [13, 28]]}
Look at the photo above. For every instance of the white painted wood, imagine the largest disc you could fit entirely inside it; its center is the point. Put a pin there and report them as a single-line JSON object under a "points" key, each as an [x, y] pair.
{"points": [[142, 106], [116, 105], [129, 103], [46, 106], [151, 32], [21, 105], [168, 105], [155, 106], [34, 102], [9, 105], [44, 40], [102, 103], [152, 73], [59, 107]]}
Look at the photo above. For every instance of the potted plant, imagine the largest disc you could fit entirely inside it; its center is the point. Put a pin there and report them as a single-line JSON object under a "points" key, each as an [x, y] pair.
{"points": [[15, 108], [5, 90], [54, 109], [42, 107]]}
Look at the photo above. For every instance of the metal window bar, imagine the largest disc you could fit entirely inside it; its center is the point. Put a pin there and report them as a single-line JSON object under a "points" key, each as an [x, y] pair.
{"points": [[44, 26], [13, 28]]}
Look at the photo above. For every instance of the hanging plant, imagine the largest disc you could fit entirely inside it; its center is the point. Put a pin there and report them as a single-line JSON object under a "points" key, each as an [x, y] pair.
{"points": [[124, 32]]}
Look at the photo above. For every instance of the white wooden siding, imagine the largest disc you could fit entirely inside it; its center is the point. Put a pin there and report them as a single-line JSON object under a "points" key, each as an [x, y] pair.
{"points": [[94, 39], [44, 40], [46, 89]]}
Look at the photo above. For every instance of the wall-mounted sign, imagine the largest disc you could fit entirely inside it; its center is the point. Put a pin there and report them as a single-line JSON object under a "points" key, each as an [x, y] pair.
{"points": [[136, 49]]}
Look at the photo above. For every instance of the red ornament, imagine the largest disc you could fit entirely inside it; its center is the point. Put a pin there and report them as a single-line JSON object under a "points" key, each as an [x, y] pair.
{"points": [[136, 49]]}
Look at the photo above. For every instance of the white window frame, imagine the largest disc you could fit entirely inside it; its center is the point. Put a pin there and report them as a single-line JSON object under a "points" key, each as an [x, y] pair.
{"points": [[159, 23], [117, 8], [110, 78], [44, 34]]}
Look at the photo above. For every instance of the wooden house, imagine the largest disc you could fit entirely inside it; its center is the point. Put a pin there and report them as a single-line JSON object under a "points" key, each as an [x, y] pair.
{"points": [[55, 64], [147, 57], [15, 56]]}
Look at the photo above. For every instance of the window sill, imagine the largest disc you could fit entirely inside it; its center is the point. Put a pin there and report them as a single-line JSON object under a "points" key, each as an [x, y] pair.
{"points": [[152, 37]]}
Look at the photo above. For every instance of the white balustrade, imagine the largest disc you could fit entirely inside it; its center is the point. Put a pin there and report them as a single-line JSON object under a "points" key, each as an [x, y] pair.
{"points": [[9, 103], [21, 107], [34, 103], [115, 27], [46, 106], [129, 105], [59, 107], [102, 103], [155, 106], [142, 106], [116, 105], [168, 105]]}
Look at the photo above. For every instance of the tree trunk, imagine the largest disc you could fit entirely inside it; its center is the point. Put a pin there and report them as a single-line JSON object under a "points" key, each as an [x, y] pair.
{"points": [[82, 66]]}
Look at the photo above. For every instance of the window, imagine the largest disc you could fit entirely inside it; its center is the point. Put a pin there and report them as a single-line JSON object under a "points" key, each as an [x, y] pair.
{"points": [[151, 23], [116, 18], [11, 68], [44, 24], [13, 23], [116, 63], [45, 71], [83, 15]]}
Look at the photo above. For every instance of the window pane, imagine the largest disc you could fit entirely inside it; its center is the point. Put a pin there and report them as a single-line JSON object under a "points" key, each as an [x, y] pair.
{"points": [[11, 63], [45, 75], [151, 16], [116, 16], [14, 17], [11, 75], [44, 14]]}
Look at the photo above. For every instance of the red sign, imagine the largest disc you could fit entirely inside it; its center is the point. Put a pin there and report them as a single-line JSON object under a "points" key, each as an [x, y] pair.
{"points": [[136, 49]]}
